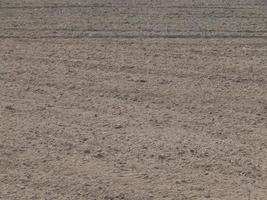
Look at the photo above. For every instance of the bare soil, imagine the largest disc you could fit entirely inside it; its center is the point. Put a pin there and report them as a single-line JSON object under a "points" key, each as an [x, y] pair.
{"points": [[133, 100]]}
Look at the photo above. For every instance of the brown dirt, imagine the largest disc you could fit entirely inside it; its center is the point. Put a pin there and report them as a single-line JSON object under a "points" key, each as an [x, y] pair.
{"points": [[133, 100]]}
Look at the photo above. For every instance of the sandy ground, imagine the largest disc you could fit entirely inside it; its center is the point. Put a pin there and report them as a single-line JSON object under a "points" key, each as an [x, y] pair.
{"points": [[133, 100]]}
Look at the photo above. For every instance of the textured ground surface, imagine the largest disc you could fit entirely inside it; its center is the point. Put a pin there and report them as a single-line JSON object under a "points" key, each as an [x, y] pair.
{"points": [[133, 100]]}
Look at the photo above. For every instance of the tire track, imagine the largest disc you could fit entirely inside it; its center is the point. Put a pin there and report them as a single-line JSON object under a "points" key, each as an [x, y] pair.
{"points": [[131, 30], [199, 36], [127, 6]]}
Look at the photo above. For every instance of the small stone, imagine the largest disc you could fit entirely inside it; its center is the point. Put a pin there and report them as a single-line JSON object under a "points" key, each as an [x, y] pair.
{"points": [[10, 107], [120, 196], [99, 155], [192, 151], [142, 81], [108, 197], [87, 151], [118, 126], [162, 157], [146, 176], [150, 195], [144, 147]]}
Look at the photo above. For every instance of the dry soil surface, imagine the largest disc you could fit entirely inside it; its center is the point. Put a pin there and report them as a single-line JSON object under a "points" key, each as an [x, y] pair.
{"points": [[133, 100]]}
